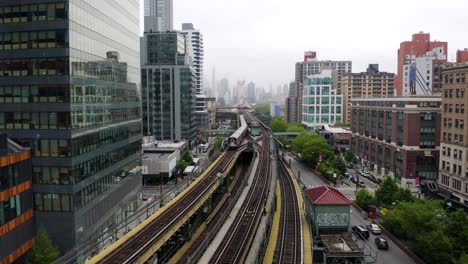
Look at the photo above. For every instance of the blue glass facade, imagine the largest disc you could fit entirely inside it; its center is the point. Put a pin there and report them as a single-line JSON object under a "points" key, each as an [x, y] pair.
{"points": [[69, 88]]}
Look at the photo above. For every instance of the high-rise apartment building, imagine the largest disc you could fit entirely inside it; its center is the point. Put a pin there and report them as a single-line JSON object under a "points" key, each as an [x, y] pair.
{"points": [[69, 77], [322, 104], [291, 104], [372, 83], [194, 40], [311, 66], [419, 45], [398, 137], [16, 201], [453, 168], [159, 15], [251, 97], [224, 91], [168, 87]]}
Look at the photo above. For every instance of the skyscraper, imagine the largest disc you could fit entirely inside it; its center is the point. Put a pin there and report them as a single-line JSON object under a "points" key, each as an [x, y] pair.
{"points": [[158, 15], [168, 87], [195, 50], [419, 45], [69, 90], [251, 98]]}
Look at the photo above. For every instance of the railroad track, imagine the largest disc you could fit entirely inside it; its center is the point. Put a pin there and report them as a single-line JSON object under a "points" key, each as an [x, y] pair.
{"points": [[289, 243], [236, 244], [132, 249]]}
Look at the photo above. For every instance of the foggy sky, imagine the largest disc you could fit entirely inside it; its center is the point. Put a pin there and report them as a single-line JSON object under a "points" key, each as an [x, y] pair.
{"points": [[260, 40]]}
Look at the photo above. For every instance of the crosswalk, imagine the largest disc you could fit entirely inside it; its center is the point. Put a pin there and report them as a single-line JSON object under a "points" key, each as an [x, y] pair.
{"points": [[344, 188]]}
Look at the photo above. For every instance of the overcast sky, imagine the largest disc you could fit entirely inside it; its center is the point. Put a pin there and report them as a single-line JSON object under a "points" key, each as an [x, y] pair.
{"points": [[260, 40]]}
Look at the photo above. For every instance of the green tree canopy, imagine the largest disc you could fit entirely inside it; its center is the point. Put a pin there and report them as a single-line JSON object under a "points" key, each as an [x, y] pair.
{"points": [[434, 247], [218, 142], [456, 228], [43, 250], [262, 108], [181, 165], [364, 198], [350, 157], [278, 125], [187, 157], [385, 195], [408, 219]]}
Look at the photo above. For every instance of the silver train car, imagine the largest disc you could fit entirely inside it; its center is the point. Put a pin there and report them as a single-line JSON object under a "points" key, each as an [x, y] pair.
{"points": [[236, 139]]}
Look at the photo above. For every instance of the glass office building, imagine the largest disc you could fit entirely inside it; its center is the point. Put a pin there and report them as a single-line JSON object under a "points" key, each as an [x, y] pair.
{"points": [[69, 78], [168, 87]]}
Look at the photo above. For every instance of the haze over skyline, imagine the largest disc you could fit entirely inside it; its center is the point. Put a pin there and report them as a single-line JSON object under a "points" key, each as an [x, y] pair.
{"points": [[261, 40]]}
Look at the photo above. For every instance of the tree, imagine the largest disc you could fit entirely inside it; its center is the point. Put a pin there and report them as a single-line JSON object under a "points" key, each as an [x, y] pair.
{"points": [[262, 108], [404, 195], [296, 127], [218, 143], [278, 125], [434, 247], [408, 219], [350, 157], [456, 228], [386, 193], [364, 198], [43, 250], [181, 165], [339, 164], [187, 158], [463, 259]]}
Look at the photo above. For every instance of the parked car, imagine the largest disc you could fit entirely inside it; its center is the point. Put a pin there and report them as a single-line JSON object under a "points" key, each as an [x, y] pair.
{"points": [[360, 232], [366, 174], [375, 229], [352, 179], [381, 243], [379, 180], [361, 184], [350, 166], [347, 175]]}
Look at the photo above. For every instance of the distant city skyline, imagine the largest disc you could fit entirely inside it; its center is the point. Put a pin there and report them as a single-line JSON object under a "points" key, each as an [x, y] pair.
{"points": [[264, 47]]}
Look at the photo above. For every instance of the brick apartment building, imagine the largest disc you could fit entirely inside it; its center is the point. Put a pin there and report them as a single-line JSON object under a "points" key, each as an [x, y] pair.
{"points": [[398, 136]]}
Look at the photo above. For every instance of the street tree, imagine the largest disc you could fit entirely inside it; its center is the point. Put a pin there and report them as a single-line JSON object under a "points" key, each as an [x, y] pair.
{"points": [[278, 125], [456, 228], [364, 198], [434, 247], [385, 195], [43, 250]]}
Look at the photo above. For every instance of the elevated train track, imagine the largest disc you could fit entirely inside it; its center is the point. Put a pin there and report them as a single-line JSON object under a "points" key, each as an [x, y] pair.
{"points": [[289, 243], [141, 244], [237, 242]]}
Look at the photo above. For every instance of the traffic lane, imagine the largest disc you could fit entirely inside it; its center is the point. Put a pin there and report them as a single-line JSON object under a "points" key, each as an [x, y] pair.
{"points": [[393, 255], [368, 183]]}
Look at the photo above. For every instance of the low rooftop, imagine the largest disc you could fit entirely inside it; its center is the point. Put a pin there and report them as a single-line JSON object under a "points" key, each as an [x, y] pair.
{"points": [[325, 195]]}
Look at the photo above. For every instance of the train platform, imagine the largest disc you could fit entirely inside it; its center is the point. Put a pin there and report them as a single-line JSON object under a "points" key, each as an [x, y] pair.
{"points": [[232, 215]]}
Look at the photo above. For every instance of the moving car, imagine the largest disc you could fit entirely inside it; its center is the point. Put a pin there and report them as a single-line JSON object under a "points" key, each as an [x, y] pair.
{"points": [[360, 232], [347, 175], [350, 166], [375, 229], [381, 243]]}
